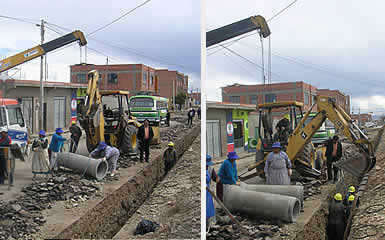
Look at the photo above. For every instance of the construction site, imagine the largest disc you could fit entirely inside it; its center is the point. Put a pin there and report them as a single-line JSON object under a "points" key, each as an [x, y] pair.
{"points": [[288, 158]]}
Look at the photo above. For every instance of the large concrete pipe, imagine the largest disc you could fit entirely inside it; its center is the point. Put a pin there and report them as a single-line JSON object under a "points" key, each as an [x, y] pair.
{"points": [[96, 168], [263, 205], [286, 190]]}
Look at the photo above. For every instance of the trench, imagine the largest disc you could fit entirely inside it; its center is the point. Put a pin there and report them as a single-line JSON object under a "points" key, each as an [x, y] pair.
{"points": [[315, 227], [112, 212]]}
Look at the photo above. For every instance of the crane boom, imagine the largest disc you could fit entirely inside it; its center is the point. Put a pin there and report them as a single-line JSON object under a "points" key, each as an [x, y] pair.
{"points": [[42, 49], [238, 28]]}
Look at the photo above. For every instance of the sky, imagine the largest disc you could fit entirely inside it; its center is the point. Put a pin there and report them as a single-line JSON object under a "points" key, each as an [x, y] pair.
{"points": [[161, 34], [329, 44]]}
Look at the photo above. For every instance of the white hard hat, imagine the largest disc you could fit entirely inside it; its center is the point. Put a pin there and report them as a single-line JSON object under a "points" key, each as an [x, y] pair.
{"points": [[3, 129]]}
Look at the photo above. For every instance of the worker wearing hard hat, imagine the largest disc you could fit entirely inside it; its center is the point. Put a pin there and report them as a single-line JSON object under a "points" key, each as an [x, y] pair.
{"points": [[5, 141], [76, 133], [349, 207], [283, 129], [336, 221], [352, 192], [170, 157]]}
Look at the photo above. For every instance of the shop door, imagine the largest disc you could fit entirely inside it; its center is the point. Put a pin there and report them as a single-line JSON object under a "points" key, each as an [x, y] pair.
{"points": [[239, 141], [59, 112], [213, 141]]}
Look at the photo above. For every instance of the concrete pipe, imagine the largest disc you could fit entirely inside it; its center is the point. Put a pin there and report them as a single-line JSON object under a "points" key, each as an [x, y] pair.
{"points": [[263, 205], [96, 168], [285, 190]]}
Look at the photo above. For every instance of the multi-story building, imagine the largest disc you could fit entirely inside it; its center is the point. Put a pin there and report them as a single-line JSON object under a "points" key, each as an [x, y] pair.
{"points": [[340, 98], [135, 78], [256, 94], [361, 119], [171, 83], [132, 77], [195, 98]]}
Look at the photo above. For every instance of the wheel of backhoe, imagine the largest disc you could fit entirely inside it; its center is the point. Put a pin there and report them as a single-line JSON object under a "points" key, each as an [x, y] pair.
{"points": [[90, 146], [305, 156], [129, 144]]}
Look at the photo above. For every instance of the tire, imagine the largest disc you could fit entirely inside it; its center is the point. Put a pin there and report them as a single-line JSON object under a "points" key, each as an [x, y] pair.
{"points": [[129, 144], [305, 156]]}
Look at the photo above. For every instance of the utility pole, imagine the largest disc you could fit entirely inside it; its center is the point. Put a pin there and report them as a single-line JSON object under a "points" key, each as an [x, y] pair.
{"points": [[106, 76], [41, 77], [359, 117], [173, 93]]}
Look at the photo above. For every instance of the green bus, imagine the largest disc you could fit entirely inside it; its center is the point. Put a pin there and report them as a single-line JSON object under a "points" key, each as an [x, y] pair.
{"points": [[326, 130], [149, 107]]}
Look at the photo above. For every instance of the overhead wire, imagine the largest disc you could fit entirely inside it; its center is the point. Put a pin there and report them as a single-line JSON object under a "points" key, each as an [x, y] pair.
{"points": [[25, 20]]}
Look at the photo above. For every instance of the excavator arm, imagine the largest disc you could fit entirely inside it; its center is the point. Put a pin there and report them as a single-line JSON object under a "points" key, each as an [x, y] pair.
{"points": [[40, 50]]}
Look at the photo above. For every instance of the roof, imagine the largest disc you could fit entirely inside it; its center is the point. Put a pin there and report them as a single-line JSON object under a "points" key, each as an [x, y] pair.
{"points": [[280, 104], [150, 96], [228, 105], [7, 101], [33, 83]]}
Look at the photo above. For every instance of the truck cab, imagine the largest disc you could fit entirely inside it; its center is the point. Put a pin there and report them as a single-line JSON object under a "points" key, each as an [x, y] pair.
{"points": [[12, 118]]}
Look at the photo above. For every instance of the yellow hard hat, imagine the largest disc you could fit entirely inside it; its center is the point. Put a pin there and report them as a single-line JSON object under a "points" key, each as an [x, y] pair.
{"points": [[352, 189], [73, 122], [338, 197], [287, 116], [171, 144], [351, 198]]}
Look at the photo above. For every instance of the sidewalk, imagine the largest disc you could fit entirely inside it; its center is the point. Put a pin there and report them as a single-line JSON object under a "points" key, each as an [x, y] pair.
{"points": [[242, 155]]}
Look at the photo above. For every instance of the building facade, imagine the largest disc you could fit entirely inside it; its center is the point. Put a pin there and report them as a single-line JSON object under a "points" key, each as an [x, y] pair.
{"points": [[257, 94], [340, 98], [194, 98], [57, 110], [361, 119], [171, 83], [227, 127]]}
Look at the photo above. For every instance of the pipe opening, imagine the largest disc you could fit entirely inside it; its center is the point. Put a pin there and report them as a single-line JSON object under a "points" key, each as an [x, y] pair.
{"points": [[101, 170], [296, 209]]}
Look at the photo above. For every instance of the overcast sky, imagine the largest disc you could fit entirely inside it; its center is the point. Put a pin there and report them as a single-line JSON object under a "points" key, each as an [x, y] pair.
{"points": [[339, 44], [164, 34]]}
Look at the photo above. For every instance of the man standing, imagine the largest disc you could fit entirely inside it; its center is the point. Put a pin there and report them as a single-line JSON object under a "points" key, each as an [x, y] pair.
{"points": [[145, 135], [277, 167], [199, 113], [336, 225], [111, 154], [168, 116], [76, 133], [169, 157], [5, 141], [190, 115], [55, 146], [227, 173], [333, 154]]}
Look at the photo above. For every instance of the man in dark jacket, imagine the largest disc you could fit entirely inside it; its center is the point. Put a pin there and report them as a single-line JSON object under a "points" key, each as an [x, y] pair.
{"points": [[5, 141], [190, 116], [336, 224], [333, 154], [76, 133], [168, 116], [170, 157], [199, 113], [145, 135]]}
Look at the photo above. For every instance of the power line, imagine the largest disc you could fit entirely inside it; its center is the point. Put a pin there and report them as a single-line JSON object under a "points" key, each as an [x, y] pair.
{"points": [[108, 24], [25, 20], [284, 9]]}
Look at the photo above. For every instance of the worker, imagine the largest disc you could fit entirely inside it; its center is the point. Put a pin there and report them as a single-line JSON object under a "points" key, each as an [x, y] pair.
{"points": [[40, 160], [352, 191], [210, 175], [170, 157], [145, 135], [199, 113], [111, 154], [168, 116], [349, 207], [336, 225], [333, 154], [55, 146], [5, 141], [284, 123], [228, 173], [277, 167], [190, 115], [76, 133]]}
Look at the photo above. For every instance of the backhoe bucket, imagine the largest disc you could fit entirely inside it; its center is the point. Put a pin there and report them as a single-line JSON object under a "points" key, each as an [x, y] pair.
{"points": [[357, 165]]}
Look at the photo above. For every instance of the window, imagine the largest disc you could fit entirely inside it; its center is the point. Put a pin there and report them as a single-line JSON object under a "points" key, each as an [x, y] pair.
{"points": [[270, 97], [81, 78], [142, 102], [3, 117], [235, 99], [152, 80], [113, 78], [161, 105], [254, 100], [15, 116], [306, 98], [144, 78], [314, 99]]}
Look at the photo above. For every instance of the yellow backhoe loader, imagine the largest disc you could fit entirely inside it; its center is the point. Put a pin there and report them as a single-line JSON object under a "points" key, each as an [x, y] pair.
{"points": [[106, 117], [298, 143]]}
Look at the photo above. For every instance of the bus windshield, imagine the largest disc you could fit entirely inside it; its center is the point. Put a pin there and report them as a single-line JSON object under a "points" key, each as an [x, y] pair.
{"points": [[142, 102]]}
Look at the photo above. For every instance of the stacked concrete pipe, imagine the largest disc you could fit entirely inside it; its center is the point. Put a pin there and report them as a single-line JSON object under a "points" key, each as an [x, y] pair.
{"points": [[263, 205], [96, 168], [285, 190]]}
